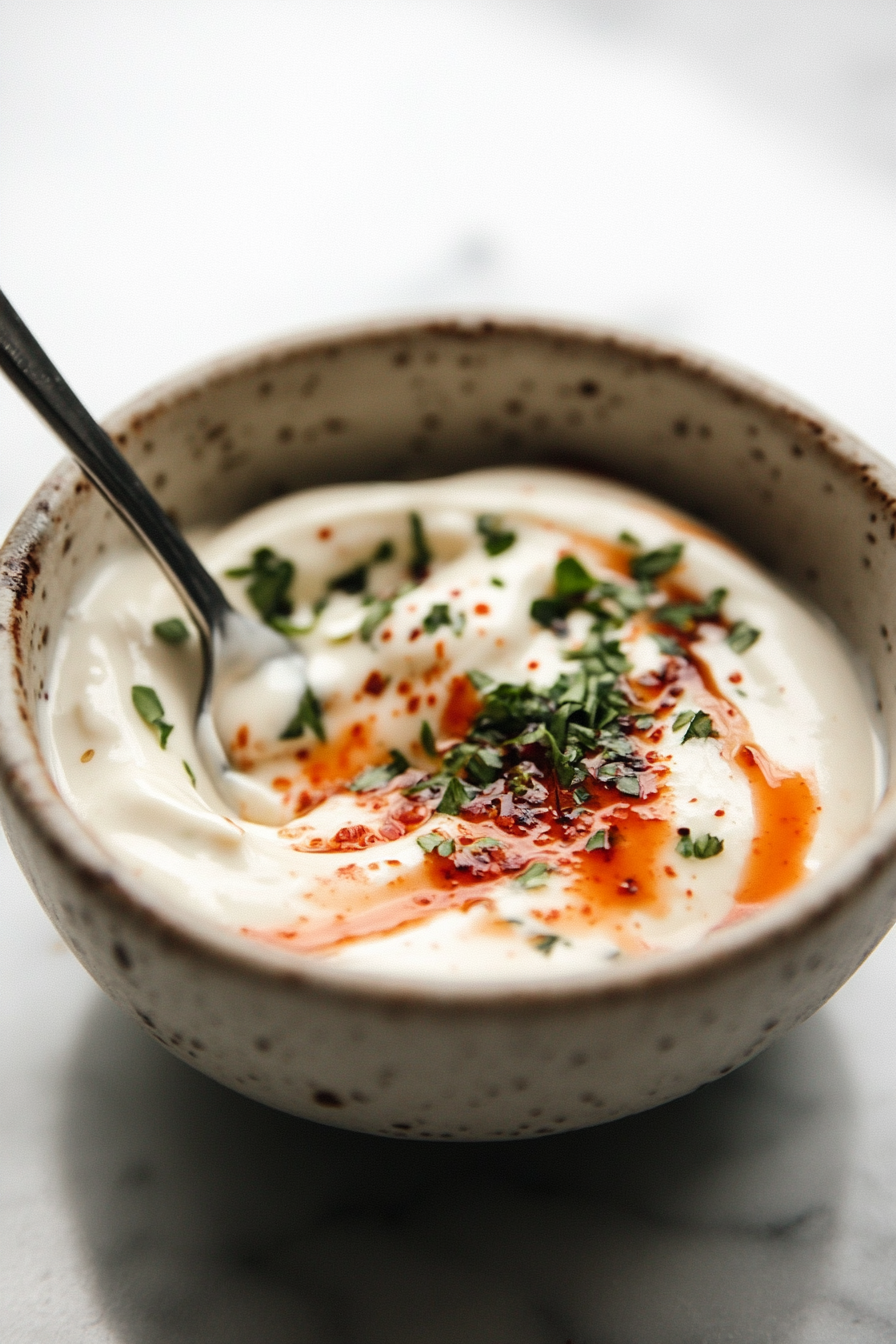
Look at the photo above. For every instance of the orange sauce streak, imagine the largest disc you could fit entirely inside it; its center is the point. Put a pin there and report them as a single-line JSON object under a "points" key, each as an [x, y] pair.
{"points": [[464, 703], [786, 817], [627, 876]]}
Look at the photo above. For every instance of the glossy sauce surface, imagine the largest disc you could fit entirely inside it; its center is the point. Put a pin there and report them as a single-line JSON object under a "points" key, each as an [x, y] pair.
{"points": [[661, 777]]}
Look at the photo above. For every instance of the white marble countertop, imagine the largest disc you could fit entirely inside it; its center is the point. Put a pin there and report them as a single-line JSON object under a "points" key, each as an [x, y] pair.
{"points": [[184, 177]]}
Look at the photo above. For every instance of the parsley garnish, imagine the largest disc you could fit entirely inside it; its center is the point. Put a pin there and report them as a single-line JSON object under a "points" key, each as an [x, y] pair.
{"points": [[308, 715], [742, 636], [189, 769], [670, 647], [599, 840], [546, 942], [536, 875], [685, 615], [377, 776], [571, 578], [270, 578], [699, 725], [574, 588], [172, 631], [704, 847], [495, 538], [439, 614], [149, 707], [628, 539], [427, 739], [454, 798], [436, 843], [652, 564], [378, 610], [354, 580], [421, 555]]}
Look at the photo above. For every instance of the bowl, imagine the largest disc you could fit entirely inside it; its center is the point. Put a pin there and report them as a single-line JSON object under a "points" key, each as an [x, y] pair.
{"points": [[424, 399]]}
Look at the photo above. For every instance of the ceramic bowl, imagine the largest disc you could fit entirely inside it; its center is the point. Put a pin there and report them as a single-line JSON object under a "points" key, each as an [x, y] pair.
{"points": [[424, 399]]}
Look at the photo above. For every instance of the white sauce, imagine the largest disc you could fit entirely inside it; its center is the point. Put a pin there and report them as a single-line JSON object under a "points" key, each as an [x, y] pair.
{"points": [[798, 695]]}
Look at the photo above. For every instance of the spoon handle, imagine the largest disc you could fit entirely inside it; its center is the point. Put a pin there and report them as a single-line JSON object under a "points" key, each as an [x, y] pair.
{"points": [[26, 365]]}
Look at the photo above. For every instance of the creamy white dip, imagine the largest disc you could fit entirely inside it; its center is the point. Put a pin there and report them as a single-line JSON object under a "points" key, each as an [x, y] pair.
{"points": [[738, 755]]}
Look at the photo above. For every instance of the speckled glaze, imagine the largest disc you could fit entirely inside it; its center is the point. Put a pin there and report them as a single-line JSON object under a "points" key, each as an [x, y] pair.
{"points": [[425, 399]]}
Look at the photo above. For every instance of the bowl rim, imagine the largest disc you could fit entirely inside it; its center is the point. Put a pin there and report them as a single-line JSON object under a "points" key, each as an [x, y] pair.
{"points": [[31, 791]]}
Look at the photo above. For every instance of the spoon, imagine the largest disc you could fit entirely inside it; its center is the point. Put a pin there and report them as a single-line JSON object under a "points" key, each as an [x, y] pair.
{"points": [[234, 647]]}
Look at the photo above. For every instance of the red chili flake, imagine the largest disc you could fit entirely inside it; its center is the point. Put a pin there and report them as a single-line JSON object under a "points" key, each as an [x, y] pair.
{"points": [[440, 649], [736, 678], [386, 636], [413, 704], [242, 736], [455, 592], [415, 634], [720, 812], [281, 784], [375, 684], [430, 699], [404, 688], [325, 533], [669, 871], [482, 609], [533, 665]]}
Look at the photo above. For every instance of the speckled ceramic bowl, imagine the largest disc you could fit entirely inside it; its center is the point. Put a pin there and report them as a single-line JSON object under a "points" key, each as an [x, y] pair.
{"points": [[421, 400]]}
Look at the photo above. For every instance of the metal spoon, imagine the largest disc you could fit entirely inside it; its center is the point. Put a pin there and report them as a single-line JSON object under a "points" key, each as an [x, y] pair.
{"points": [[233, 646]]}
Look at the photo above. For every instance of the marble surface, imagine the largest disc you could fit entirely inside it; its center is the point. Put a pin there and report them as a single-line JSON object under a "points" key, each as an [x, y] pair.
{"points": [[183, 177]]}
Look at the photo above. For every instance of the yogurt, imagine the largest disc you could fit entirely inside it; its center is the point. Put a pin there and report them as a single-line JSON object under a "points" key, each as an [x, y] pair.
{"points": [[551, 725]]}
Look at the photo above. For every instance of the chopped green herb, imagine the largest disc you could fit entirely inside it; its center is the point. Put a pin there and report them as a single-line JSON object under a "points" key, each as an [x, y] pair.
{"points": [[571, 578], [439, 614], [685, 615], [628, 539], [644, 721], [486, 842], [149, 707], [652, 564], [308, 715], [548, 611], [427, 739], [496, 582], [536, 875], [704, 847], [670, 647], [495, 538], [628, 784], [682, 719], [172, 631], [546, 942], [189, 769], [421, 555], [481, 680], [699, 726], [377, 776], [377, 612], [454, 798], [354, 580], [599, 840], [271, 577], [581, 795], [436, 843], [742, 636]]}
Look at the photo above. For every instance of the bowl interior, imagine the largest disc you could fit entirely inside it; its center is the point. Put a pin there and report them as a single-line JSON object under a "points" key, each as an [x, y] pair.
{"points": [[420, 400]]}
